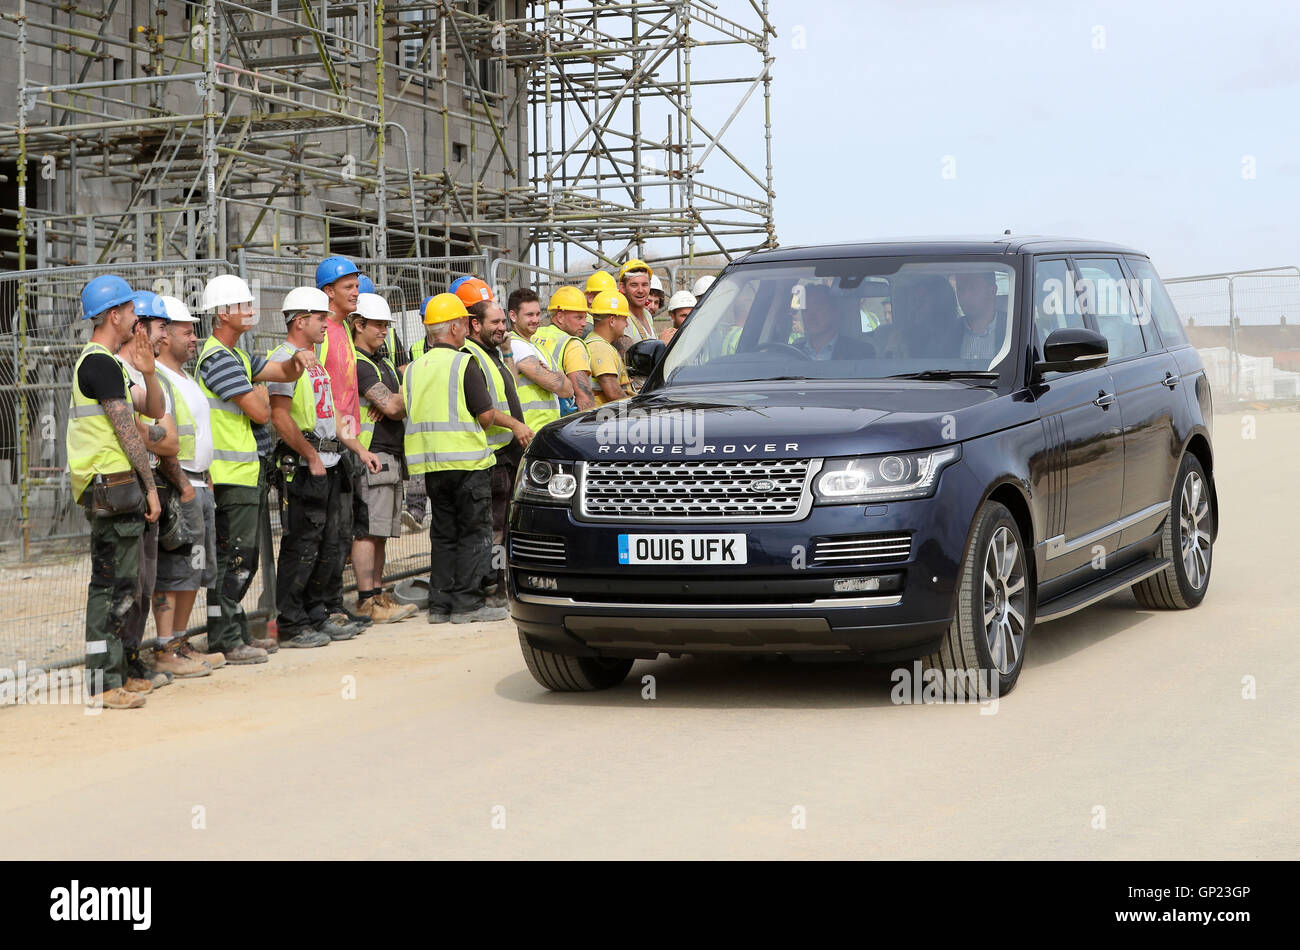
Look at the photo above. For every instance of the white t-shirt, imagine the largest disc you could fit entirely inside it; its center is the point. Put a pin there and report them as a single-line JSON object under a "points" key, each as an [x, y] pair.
{"points": [[520, 351], [198, 405], [137, 378], [321, 390]]}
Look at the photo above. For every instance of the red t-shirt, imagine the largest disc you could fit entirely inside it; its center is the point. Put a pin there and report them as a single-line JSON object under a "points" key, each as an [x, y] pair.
{"points": [[341, 364]]}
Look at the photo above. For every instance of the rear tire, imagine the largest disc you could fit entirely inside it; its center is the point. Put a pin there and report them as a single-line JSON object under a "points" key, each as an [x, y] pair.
{"points": [[1185, 540], [573, 674], [984, 649]]}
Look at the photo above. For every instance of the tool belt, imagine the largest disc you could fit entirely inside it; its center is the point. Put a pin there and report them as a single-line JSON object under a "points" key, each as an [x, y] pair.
{"points": [[323, 445], [116, 494]]}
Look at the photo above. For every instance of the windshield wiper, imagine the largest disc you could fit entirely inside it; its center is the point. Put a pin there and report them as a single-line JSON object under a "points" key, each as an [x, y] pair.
{"points": [[948, 374]]}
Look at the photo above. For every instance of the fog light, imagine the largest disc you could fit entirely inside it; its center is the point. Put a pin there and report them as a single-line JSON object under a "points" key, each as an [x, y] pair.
{"points": [[847, 585], [538, 582], [562, 486]]}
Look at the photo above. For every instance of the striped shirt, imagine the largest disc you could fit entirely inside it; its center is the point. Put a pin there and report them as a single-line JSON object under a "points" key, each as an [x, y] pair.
{"points": [[225, 376]]}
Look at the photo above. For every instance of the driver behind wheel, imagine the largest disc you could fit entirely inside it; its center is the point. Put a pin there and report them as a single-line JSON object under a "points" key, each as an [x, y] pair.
{"points": [[822, 339]]}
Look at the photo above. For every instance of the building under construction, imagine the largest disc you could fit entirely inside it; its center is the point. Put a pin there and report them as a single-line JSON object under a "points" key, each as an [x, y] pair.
{"points": [[147, 130]]}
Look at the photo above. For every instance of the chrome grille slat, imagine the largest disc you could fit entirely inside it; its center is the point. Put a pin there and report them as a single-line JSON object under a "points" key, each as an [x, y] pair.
{"points": [[864, 549], [686, 491], [537, 547]]}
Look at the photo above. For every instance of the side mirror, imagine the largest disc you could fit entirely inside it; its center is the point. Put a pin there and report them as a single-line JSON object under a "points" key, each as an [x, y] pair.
{"points": [[643, 357], [1070, 349]]}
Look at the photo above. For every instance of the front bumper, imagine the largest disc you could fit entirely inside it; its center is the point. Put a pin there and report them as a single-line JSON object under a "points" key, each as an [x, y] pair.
{"points": [[782, 601]]}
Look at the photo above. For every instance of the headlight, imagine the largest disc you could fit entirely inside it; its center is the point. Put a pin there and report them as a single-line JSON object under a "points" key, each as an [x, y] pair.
{"points": [[542, 481], [882, 477]]}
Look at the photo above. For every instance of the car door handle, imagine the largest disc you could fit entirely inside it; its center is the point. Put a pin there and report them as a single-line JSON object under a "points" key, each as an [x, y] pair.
{"points": [[1172, 379], [1104, 399]]}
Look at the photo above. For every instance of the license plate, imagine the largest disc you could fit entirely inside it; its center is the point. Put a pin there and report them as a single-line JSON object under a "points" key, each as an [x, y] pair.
{"points": [[682, 549]]}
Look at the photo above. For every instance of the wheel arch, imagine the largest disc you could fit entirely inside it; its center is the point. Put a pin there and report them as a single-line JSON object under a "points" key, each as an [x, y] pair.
{"points": [[1198, 444], [1010, 493]]}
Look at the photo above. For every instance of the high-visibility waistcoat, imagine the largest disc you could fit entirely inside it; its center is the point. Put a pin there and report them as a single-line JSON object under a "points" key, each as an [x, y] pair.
{"points": [[540, 405], [367, 424], [497, 436], [302, 409], [234, 447], [552, 341], [184, 420], [441, 434], [92, 443], [418, 349]]}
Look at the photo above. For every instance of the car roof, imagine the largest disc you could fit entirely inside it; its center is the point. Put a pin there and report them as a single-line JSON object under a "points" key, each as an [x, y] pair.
{"points": [[893, 247]]}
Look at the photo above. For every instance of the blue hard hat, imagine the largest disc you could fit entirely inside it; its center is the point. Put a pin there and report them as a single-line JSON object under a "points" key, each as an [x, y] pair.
{"points": [[149, 306], [424, 304], [365, 285], [455, 284], [331, 269], [104, 293]]}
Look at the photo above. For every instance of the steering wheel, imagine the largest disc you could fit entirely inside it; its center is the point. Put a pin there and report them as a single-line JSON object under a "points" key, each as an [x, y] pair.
{"points": [[775, 345]]}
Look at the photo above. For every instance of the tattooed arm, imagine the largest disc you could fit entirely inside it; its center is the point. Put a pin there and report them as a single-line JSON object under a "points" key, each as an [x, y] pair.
{"points": [[160, 437], [582, 389], [531, 368], [170, 466], [386, 401]]}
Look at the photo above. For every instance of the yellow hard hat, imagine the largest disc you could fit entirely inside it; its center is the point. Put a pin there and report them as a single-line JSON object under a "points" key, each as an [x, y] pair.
{"points": [[601, 282], [633, 264], [611, 304], [568, 298], [444, 307]]}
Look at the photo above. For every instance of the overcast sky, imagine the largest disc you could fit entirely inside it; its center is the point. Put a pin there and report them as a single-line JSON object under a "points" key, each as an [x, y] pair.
{"points": [[1172, 127]]}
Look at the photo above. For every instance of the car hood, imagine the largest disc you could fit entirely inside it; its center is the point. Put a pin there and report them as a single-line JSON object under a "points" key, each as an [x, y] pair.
{"points": [[778, 419]]}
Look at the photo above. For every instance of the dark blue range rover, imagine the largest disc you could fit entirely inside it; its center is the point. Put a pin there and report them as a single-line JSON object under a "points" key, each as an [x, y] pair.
{"points": [[890, 450]]}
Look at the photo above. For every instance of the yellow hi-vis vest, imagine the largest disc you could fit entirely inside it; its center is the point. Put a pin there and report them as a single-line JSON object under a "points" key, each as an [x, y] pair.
{"points": [[540, 405], [441, 435], [367, 424], [184, 420], [418, 349], [92, 443], [302, 409], [497, 436], [234, 447]]}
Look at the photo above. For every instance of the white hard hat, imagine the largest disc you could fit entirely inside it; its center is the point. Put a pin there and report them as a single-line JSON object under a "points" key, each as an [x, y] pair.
{"points": [[702, 284], [656, 283], [177, 312], [683, 298], [373, 307], [302, 299], [224, 291]]}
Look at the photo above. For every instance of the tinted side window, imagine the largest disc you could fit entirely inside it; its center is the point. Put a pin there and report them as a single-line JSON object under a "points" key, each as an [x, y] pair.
{"points": [[1104, 293], [1055, 305], [1156, 302]]}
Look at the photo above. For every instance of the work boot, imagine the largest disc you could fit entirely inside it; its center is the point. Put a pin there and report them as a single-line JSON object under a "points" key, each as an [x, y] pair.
{"points": [[483, 615], [137, 670], [167, 660], [438, 615], [135, 684], [359, 619], [496, 599], [403, 610], [338, 627], [269, 644], [118, 698], [244, 654], [379, 612], [306, 638], [214, 660]]}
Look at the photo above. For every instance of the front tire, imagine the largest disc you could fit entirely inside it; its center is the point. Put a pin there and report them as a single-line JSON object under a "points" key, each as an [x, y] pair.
{"points": [[985, 645], [1185, 540], [573, 674]]}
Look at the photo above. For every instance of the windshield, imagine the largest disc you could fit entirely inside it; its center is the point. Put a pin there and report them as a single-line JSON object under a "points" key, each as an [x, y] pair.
{"points": [[857, 318]]}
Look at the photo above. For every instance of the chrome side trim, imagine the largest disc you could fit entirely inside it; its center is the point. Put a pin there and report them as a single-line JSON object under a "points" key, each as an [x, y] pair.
{"points": [[1058, 545], [823, 602]]}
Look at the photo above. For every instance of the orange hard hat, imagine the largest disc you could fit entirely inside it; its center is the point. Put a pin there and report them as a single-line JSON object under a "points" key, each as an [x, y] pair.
{"points": [[472, 290]]}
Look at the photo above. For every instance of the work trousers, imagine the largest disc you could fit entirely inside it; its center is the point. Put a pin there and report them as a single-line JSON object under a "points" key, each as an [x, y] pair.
{"points": [[237, 556], [134, 622], [460, 538], [347, 467], [308, 572], [114, 590], [503, 485]]}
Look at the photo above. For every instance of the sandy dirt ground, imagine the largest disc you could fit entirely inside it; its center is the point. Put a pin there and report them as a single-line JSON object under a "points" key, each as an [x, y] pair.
{"points": [[1128, 737]]}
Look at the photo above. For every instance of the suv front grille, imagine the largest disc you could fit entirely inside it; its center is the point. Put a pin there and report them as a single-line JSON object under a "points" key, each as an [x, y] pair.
{"points": [[690, 491], [545, 548], [862, 549]]}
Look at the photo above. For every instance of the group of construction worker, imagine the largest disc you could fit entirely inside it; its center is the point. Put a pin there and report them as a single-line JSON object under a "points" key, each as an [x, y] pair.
{"points": [[174, 469]]}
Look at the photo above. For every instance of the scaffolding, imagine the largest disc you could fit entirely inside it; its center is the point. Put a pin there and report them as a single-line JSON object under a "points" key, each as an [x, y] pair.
{"points": [[162, 129]]}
